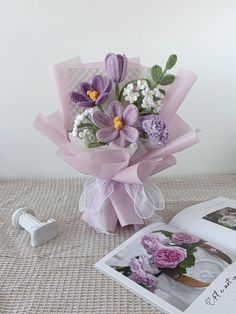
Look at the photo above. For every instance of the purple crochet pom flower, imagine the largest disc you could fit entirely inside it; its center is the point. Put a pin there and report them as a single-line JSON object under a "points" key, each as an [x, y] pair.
{"points": [[116, 66], [92, 94], [156, 129], [117, 127], [139, 273]]}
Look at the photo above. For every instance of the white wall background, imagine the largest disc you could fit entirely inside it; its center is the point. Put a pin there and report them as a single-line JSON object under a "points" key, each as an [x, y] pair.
{"points": [[35, 34]]}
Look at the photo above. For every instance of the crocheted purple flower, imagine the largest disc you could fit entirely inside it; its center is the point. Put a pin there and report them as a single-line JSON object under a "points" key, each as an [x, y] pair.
{"points": [[156, 129], [117, 127], [92, 94], [116, 66]]}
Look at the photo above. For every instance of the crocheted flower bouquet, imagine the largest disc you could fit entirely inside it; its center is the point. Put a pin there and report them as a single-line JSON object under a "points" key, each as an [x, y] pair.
{"points": [[118, 124]]}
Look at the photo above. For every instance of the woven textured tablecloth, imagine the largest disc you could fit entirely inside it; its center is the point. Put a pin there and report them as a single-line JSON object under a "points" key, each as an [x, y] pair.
{"points": [[59, 277]]}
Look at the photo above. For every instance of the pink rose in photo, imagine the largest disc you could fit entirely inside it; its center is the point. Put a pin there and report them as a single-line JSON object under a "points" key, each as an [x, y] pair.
{"points": [[184, 238], [152, 242], [169, 257], [139, 274], [148, 265]]}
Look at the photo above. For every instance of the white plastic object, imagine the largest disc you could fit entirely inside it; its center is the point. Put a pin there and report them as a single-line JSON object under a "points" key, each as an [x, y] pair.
{"points": [[41, 232]]}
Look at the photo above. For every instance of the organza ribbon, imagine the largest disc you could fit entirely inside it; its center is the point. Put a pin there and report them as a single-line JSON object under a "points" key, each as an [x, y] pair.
{"points": [[120, 201]]}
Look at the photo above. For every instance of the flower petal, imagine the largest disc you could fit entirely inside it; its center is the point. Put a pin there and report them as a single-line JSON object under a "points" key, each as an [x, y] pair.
{"points": [[77, 97], [115, 109], [119, 141], [85, 104], [102, 120], [123, 66], [107, 135], [85, 87], [102, 98], [112, 66], [130, 115], [109, 87], [129, 133], [98, 83]]}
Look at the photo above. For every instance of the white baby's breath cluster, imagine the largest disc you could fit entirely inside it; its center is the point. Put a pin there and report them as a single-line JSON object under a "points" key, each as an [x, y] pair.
{"points": [[81, 118], [132, 93]]}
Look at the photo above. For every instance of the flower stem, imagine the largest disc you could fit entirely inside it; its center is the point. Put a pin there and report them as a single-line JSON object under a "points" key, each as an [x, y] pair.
{"points": [[100, 108], [85, 125], [92, 124], [93, 145], [117, 90], [144, 113]]}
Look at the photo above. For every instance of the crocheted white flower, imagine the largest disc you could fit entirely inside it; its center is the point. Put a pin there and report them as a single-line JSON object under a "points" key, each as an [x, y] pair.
{"points": [[157, 108], [130, 95], [87, 136], [142, 84], [77, 122], [148, 93], [147, 103], [80, 119], [158, 94]]}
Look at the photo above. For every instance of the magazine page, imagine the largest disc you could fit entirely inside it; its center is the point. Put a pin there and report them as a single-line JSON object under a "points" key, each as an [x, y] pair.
{"points": [[169, 268], [214, 220]]}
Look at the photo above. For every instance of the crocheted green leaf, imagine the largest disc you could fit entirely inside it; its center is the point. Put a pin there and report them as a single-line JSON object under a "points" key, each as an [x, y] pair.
{"points": [[167, 79], [171, 62], [156, 72]]}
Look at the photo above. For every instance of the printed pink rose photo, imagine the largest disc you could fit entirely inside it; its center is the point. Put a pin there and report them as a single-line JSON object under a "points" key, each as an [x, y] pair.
{"points": [[171, 264]]}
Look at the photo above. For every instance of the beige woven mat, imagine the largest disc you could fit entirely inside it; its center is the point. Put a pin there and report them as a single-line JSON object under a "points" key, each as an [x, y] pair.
{"points": [[59, 277]]}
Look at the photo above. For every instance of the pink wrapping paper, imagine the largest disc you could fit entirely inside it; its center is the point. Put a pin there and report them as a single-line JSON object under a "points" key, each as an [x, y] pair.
{"points": [[116, 165]]}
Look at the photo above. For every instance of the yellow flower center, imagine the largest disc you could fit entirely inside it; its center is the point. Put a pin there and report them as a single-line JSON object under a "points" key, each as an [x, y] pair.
{"points": [[118, 125], [92, 95]]}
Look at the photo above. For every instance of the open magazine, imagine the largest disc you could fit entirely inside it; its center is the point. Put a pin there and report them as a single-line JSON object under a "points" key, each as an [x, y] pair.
{"points": [[187, 266]]}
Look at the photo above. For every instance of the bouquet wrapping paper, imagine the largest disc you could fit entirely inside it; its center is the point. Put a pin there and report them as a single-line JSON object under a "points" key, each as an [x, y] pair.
{"points": [[117, 189]]}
